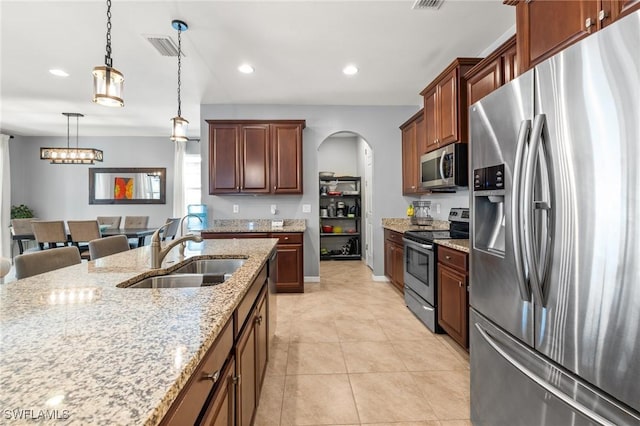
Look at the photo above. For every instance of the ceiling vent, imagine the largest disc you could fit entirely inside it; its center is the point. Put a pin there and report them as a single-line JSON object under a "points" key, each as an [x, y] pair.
{"points": [[163, 44], [427, 4]]}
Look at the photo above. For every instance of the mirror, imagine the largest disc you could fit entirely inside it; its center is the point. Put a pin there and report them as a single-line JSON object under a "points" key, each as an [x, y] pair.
{"points": [[127, 185]]}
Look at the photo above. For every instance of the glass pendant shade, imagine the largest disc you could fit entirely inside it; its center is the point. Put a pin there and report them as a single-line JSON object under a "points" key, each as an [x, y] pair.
{"points": [[108, 83], [179, 129]]}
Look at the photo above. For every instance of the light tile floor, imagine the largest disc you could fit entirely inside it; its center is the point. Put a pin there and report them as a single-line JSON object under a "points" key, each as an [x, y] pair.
{"points": [[349, 352]]}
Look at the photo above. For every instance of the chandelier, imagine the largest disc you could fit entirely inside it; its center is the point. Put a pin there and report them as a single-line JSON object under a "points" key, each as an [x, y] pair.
{"points": [[179, 124], [108, 82], [70, 155]]}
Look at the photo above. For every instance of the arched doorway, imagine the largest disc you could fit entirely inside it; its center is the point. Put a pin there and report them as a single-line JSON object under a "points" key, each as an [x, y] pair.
{"points": [[347, 153]]}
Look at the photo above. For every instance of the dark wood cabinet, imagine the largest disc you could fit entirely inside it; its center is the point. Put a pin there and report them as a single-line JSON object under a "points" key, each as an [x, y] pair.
{"points": [[545, 27], [411, 153], [290, 260], [445, 105], [220, 411], [453, 297], [394, 258], [255, 157], [498, 68], [262, 342]]}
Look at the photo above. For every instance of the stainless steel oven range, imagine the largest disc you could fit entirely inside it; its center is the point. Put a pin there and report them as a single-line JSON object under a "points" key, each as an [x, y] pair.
{"points": [[420, 286]]}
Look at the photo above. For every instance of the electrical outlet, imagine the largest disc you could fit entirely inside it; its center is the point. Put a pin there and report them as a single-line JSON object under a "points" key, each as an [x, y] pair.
{"points": [[437, 208], [274, 209], [306, 208], [236, 208]]}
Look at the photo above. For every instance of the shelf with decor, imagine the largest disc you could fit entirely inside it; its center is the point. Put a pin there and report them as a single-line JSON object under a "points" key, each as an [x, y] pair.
{"points": [[340, 218]]}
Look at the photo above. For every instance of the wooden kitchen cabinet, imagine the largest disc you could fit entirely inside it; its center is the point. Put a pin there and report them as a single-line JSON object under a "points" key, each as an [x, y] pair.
{"points": [[445, 105], [545, 27], [220, 411], [394, 258], [453, 299], [255, 157], [413, 146], [496, 69]]}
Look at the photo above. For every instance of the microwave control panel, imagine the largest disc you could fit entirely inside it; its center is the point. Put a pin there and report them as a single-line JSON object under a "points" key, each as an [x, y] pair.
{"points": [[489, 178]]}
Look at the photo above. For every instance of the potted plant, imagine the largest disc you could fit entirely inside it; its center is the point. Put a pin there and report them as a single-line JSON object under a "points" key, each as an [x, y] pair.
{"points": [[21, 212]]}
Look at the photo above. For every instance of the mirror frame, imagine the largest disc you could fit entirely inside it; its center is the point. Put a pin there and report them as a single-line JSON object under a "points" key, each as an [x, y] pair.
{"points": [[161, 171]]}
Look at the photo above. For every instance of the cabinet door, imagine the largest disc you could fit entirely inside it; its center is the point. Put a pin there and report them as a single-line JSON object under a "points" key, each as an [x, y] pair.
{"points": [[448, 106], [431, 120], [388, 259], [546, 27], [398, 267], [286, 174], [409, 160], [484, 81], [246, 372], [452, 303], [622, 7], [220, 410], [290, 268], [262, 342], [421, 143], [510, 64], [224, 162], [255, 152]]}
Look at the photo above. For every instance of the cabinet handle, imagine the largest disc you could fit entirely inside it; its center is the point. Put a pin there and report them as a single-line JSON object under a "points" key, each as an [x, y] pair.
{"points": [[459, 283], [213, 376], [602, 15], [258, 320], [588, 23], [448, 257], [274, 188], [237, 380], [286, 238]]}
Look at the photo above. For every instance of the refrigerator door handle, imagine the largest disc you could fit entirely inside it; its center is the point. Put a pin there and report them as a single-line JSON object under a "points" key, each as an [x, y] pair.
{"points": [[528, 207], [595, 417], [518, 248]]}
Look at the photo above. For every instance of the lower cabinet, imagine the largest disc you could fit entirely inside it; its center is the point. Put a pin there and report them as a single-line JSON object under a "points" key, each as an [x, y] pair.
{"points": [[290, 263], [394, 258], [453, 299], [225, 388]]}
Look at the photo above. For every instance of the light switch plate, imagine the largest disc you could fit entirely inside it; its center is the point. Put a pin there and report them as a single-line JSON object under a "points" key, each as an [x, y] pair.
{"points": [[306, 208], [236, 208]]}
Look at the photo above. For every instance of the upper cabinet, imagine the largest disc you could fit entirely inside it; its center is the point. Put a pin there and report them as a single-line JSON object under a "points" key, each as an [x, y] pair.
{"points": [[545, 27], [445, 105], [255, 157], [498, 68], [413, 146]]}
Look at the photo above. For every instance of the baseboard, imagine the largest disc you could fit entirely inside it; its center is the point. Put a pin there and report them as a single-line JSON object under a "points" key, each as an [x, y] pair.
{"points": [[382, 278], [311, 279]]}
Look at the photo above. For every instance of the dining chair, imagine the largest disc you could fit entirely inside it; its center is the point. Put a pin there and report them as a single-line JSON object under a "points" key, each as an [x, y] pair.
{"points": [[5, 267], [51, 233], [30, 264], [135, 222], [107, 246], [112, 221], [83, 231], [22, 227], [171, 230]]}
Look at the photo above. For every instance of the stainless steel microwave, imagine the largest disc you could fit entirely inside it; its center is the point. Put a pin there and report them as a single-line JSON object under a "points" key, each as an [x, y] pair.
{"points": [[445, 168]]}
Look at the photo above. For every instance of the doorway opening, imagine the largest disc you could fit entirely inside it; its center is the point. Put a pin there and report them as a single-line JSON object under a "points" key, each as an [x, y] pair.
{"points": [[346, 198]]}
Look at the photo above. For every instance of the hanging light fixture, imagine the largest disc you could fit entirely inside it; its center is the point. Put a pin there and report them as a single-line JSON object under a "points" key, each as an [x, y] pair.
{"points": [[108, 82], [70, 155], [179, 124]]}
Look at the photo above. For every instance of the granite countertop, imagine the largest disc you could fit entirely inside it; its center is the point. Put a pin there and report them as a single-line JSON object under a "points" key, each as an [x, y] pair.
{"points": [[456, 244], [75, 344], [255, 225], [404, 224]]}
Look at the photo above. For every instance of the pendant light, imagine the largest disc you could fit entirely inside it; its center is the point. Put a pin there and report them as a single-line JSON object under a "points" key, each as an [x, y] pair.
{"points": [[108, 82], [70, 155], [179, 124]]}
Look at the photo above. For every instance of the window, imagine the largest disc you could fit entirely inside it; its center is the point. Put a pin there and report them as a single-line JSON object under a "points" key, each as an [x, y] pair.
{"points": [[192, 179]]}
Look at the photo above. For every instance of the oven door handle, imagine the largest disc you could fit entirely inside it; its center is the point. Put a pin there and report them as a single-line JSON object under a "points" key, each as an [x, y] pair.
{"points": [[413, 243]]}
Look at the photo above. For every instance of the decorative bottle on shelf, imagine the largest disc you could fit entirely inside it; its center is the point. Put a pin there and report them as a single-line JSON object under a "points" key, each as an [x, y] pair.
{"points": [[332, 210]]}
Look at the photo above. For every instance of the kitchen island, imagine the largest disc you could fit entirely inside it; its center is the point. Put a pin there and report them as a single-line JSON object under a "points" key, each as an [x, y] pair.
{"points": [[77, 347]]}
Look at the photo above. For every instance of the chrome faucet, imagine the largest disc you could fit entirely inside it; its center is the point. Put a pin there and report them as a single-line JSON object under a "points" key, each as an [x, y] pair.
{"points": [[158, 253], [183, 244]]}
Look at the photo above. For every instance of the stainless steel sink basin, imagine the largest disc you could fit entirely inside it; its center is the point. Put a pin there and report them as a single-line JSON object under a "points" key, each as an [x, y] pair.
{"points": [[181, 281], [211, 266]]}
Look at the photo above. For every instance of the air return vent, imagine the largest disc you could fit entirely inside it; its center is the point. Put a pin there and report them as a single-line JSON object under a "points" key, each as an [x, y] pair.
{"points": [[163, 44], [427, 4]]}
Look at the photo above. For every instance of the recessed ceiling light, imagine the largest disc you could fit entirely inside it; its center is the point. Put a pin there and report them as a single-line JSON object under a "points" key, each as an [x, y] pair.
{"points": [[246, 69], [350, 70], [59, 73]]}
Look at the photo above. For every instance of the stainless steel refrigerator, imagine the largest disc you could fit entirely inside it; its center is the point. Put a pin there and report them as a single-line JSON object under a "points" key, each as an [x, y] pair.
{"points": [[555, 254]]}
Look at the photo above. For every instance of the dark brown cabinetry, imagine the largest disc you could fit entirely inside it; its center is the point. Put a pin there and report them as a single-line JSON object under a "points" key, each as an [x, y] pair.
{"points": [[290, 262], [220, 411], [255, 157], [453, 300], [394, 258], [545, 27], [413, 146], [445, 105], [498, 68]]}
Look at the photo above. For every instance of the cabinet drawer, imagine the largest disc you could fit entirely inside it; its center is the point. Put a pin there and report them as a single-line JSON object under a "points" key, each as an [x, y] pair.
{"points": [[453, 258], [189, 403], [283, 238], [393, 236]]}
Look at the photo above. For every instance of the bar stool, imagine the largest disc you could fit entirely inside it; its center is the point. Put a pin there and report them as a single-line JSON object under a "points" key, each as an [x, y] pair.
{"points": [[31, 264]]}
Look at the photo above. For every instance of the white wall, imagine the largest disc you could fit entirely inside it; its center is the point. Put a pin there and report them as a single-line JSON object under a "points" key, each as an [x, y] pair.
{"points": [[377, 125], [445, 202], [61, 191], [339, 155]]}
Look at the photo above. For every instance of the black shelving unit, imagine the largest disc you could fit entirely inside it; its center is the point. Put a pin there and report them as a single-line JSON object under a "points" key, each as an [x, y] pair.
{"points": [[346, 245]]}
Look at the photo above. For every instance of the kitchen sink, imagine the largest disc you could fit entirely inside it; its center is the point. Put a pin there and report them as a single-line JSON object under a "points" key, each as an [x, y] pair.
{"points": [[181, 281], [211, 266]]}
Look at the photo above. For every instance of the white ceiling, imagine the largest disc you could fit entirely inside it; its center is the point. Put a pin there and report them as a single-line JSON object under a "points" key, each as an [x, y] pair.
{"points": [[298, 49]]}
